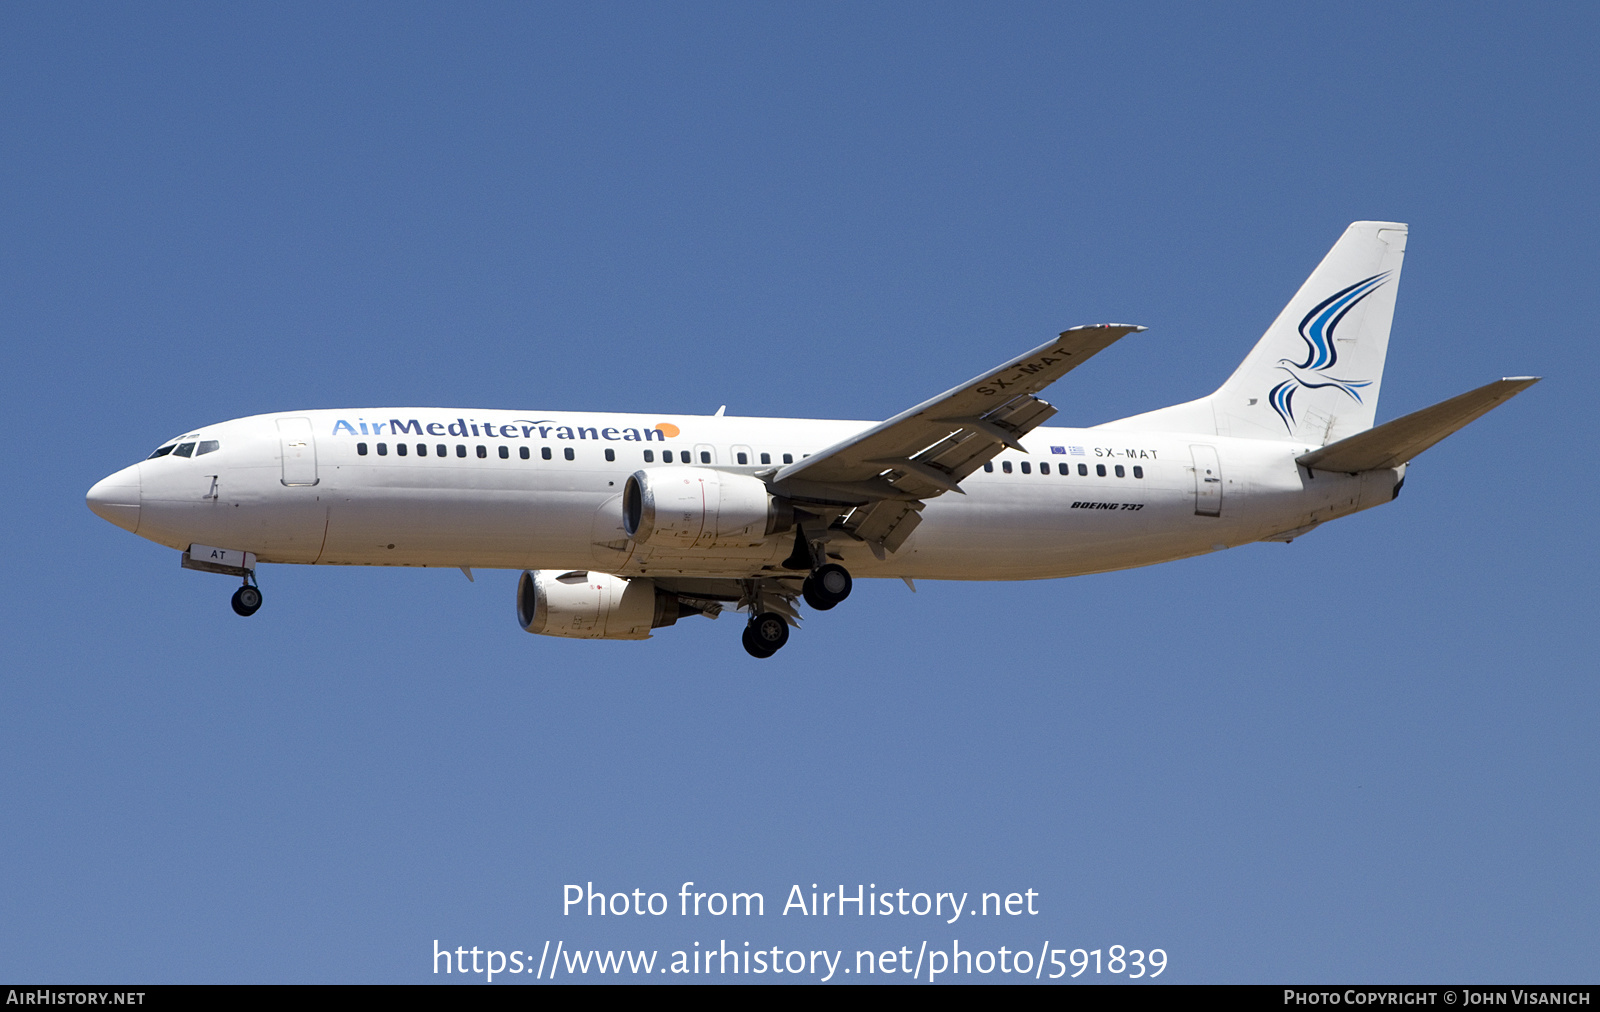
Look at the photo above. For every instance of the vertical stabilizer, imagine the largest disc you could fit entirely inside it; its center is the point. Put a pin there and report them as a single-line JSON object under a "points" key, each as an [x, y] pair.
{"points": [[1314, 375]]}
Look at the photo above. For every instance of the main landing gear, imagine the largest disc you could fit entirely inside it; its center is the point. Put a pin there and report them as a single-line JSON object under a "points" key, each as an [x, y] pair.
{"points": [[766, 634], [826, 586], [768, 629], [829, 583], [247, 599]]}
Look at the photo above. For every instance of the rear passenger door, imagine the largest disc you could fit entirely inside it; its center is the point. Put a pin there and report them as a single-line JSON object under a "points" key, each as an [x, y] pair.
{"points": [[1207, 481]]}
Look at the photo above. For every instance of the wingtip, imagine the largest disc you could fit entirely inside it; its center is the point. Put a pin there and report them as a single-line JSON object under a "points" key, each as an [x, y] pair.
{"points": [[1131, 328]]}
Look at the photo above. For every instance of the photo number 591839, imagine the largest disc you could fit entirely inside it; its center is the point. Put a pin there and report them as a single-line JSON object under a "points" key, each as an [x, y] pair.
{"points": [[1135, 963]]}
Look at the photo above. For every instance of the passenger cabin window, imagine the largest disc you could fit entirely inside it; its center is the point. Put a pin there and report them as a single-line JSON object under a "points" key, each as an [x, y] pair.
{"points": [[162, 451], [505, 453], [544, 452], [988, 465], [461, 450], [422, 449], [1138, 472], [1044, 467], [611, 454], [744, 458], [361, 449], [1083, 470], [766, 458], [788, 458], [401, 449], [1100, 469], [666, 456], [1027, 468], [1005, 465], [705, 456], [523, 452], [441, 450], [183, 450], [206, 447], [567, 453], [383, 449], [1120, 472], [649, 456], [483, 451]]}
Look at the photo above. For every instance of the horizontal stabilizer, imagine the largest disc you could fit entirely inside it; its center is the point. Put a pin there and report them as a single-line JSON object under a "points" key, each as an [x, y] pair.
{"points": [[1394, 443]]}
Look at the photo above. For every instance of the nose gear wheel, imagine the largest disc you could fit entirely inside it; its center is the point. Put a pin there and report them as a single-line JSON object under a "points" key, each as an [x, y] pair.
{"points": [[247, 600]]}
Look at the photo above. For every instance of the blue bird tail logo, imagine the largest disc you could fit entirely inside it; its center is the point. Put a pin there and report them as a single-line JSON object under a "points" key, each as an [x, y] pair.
{"points": [[1317, 330]]}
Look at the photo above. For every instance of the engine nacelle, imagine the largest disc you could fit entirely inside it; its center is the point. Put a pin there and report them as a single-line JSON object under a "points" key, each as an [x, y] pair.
{"points": [[594, 606], [697, 507]]}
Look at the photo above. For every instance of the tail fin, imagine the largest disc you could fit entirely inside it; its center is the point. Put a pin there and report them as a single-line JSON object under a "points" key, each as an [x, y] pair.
{"points": [[1314, 375]]}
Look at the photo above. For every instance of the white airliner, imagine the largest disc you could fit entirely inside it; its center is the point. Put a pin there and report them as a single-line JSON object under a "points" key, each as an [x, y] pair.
{"points": [[623, 523]]}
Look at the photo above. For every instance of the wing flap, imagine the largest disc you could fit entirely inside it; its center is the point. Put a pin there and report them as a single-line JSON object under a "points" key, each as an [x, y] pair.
{"points": [[1394, 443], [885, 524]]}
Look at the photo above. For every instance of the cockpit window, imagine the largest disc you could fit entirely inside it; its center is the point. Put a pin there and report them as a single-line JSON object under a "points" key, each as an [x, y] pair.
{"points": [[184, 449], [206, 447], [161, 451]]}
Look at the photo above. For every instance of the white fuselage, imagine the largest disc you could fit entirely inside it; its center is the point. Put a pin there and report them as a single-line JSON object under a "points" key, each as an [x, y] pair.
{"points": [[477, 489]]}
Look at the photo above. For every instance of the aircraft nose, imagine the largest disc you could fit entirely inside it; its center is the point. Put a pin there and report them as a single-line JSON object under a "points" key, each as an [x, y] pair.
{"points": [[116, 498]]}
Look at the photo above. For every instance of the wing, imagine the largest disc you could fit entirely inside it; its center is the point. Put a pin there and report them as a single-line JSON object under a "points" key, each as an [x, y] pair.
{"points": [[885, 473]]}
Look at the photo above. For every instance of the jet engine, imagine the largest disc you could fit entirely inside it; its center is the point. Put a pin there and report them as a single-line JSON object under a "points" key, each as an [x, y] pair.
{"points": [[595, 606], [697, 507]]}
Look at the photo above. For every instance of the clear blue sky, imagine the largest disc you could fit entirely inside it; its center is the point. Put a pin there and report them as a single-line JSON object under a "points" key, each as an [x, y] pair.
{"points": [[1369, 755]]}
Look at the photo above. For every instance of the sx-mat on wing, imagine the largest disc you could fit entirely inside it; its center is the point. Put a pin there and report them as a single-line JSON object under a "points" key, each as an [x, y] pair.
{"points": [[886, 472]]}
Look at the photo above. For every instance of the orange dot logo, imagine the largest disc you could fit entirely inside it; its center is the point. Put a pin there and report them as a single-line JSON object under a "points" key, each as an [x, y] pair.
{"points": [[667, 429]]}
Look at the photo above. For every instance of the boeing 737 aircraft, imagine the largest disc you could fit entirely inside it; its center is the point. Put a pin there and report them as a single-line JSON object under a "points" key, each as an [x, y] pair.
{"points": [[624, 523]]}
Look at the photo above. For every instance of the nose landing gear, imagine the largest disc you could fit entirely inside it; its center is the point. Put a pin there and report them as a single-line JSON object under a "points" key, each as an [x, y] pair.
{"points": [[228, 562], [247, 600]]}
